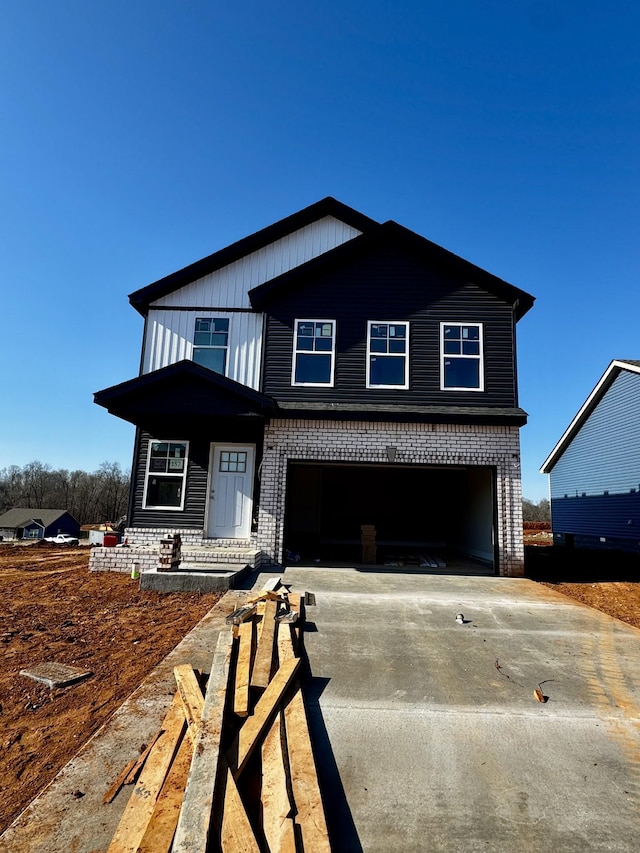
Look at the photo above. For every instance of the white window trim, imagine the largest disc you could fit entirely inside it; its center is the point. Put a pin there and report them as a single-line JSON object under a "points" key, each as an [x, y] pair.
{"points": [[182, 475], [206, 315], [479, 357], [307, 352], [404, 355]]}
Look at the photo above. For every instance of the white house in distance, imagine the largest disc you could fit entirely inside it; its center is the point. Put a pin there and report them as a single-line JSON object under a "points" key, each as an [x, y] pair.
{"points": [[594, 469]]}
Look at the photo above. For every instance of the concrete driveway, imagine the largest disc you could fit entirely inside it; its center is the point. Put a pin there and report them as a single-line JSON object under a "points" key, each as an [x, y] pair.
{"points": [[429, 735]]}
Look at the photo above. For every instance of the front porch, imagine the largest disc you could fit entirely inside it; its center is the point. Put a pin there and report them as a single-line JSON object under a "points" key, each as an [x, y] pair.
{"points": [[206, 565]]}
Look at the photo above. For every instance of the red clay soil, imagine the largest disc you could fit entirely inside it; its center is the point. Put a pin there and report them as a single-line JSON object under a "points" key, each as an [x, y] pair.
{"points": [[53, 610]]}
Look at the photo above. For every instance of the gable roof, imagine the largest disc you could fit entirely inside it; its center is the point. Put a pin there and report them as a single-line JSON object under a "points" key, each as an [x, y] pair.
{"points": [[391, 233], [606, 380], [183, 389], [19, 516], [141, 299]]}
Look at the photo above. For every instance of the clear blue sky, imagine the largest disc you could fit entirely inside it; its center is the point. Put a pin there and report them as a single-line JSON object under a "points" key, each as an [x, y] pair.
{"points": [[138, 137]]}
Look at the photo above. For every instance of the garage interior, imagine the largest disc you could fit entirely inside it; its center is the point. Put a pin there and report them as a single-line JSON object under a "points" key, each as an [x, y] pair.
{"points": [[446, 513]]}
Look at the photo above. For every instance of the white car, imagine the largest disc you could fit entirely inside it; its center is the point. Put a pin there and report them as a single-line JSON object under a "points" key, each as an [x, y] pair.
{"points": [[62, 539]]}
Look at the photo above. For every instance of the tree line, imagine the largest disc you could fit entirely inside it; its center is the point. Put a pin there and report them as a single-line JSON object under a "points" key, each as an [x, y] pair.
{"points": [[536, 512], [91, 498]]}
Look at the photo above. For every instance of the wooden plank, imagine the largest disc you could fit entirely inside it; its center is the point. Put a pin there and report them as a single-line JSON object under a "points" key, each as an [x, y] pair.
{"points": [[271, 585], [132, 775], [191, 697], [139, 809], [259, 621], [268, 595], [277, 822], [255, 726], [241, 614], [162, 825], [115, 786], [243, 670], [236, 834], [304, 779], [130, 771], [285, 642], [261, 673], [193, 830], [296, 600]]}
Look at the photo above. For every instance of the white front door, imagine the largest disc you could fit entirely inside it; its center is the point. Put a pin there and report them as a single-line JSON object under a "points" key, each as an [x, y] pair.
{"points": [[231, 497]]}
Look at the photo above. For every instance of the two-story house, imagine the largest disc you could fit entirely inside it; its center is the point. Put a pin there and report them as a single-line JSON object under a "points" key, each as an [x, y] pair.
{"points": [[327, 372]]}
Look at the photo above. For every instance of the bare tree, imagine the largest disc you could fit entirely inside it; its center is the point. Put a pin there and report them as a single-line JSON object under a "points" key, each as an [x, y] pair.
{"points": [[536, 512], [89, 497]]}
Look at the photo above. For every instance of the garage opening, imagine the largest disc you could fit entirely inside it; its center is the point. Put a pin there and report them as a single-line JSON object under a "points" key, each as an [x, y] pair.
{"points": [[417, 511]]}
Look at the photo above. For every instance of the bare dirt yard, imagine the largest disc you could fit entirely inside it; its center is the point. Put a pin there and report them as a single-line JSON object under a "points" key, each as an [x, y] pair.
{"points": [[53, 609]]}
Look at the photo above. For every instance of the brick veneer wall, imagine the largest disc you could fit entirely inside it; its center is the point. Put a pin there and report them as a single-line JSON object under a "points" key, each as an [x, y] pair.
{"points": [[422, 444]]}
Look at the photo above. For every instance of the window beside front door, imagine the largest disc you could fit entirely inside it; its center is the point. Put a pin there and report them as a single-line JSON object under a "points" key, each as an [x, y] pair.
{"points": [[211, 343], [166, 475], [387, 355], [314, 352], [461, 357]]}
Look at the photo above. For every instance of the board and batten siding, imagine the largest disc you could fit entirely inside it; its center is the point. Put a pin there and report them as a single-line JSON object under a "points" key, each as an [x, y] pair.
{"points": [[228, 287], [170, 339], [604, 456]]}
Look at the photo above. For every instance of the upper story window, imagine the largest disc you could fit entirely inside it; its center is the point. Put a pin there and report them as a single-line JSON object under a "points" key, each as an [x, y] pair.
{"points": [[387, 355], [211, 343], [461, 357], [314, 352], [166, 474]]}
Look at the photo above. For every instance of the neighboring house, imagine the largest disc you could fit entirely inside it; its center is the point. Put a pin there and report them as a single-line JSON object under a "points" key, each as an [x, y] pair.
{"points": [[324, 373], [594, 469], [95, 532], [29, 523]]}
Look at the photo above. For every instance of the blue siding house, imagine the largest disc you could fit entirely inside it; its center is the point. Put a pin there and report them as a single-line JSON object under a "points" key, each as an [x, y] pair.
{"points": [[594, 469]]}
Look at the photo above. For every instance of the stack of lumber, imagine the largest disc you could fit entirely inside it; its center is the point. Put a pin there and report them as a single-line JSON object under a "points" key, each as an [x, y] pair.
{"points": [[232, 769]]}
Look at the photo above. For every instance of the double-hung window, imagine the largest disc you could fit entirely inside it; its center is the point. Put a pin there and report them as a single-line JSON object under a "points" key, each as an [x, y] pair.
{"points": [[387, 355], [461, 357], [166, 474], [211, 343], [314, 352]]}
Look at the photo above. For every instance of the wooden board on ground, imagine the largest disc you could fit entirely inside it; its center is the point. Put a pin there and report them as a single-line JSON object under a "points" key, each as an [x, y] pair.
{"points": [[162, 824], [304, 779], [277, 822], [115, 786], [191, 697], [255, 725], [236, 834], [192, 832], [296, 601], [243, 669], [261, 673], [141, 804]]}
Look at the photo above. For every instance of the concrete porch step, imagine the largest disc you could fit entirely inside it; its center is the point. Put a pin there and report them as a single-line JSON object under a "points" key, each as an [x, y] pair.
{"points": [[223, 556], [211, 577]]}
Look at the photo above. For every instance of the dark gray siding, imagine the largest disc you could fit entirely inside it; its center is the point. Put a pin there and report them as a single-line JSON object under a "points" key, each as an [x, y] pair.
{"points": [[196, 496], [196, 489], [604, 456], [391, 284]]}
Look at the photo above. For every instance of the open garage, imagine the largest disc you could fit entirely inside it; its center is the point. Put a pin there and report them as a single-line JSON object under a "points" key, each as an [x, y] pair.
{"points": [[442, 512]]}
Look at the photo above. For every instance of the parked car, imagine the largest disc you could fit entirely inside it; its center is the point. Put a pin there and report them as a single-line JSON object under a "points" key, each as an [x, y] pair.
{"points": [[62, 539]]}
